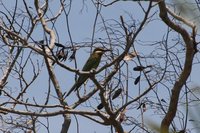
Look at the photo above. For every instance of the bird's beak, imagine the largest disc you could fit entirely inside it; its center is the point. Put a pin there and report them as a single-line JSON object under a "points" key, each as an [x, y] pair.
{"points": [[106, 50]]}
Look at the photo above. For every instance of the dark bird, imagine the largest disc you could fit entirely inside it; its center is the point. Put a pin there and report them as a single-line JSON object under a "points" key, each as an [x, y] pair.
{"points": [[61, 55], [92, 63], [117, 93]]}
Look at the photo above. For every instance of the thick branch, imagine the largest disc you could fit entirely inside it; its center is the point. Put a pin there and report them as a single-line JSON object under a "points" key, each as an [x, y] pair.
{"points": [[190, 51]]}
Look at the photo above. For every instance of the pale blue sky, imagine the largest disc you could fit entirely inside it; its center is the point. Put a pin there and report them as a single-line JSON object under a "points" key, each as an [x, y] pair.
{"points": [[81, 30]]}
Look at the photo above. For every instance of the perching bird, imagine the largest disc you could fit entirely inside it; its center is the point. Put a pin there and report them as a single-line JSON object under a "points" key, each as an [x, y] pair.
{"points": [[92, 63]]}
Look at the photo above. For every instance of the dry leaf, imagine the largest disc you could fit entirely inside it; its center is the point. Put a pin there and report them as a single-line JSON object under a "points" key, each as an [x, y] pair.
{"points": [[117, 93], [130, 56], [137, 80]]}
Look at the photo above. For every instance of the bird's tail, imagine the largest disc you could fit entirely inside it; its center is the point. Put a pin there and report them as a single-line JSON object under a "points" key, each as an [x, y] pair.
{"points": [[74, 87]]}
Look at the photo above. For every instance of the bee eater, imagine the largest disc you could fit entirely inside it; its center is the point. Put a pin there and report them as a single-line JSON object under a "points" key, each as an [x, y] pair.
{"points": [[92, 63]]}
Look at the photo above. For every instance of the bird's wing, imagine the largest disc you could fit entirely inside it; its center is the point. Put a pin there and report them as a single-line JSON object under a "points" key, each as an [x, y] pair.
{"points": [[92, 62]]}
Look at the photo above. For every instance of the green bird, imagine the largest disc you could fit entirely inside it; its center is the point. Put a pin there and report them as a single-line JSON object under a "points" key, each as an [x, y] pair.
{"points": [[92, 63]]}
